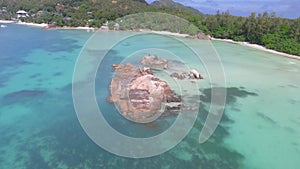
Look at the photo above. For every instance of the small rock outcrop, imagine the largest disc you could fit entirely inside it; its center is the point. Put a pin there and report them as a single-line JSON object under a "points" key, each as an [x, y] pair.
{"points": [[200, 36], [193, 74], [155, 62]]}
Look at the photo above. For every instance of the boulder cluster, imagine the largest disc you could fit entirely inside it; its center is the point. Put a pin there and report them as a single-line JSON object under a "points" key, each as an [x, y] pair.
{"points": [[193, 74], [140, 95]]}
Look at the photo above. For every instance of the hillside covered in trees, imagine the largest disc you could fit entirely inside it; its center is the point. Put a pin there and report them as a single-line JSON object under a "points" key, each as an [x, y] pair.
{"points": [[265, 29]]}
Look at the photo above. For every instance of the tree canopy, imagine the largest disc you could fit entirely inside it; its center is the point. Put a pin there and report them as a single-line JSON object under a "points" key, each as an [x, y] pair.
{"points": [[265, 29]]}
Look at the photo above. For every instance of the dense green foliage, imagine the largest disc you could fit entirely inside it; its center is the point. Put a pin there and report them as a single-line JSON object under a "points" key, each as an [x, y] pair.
{"points": [[265, 29], [158, 22], [175, 5]]}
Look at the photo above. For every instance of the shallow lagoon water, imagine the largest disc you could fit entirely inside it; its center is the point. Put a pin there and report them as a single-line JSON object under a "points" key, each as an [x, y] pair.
{"points": [[39, 128]]}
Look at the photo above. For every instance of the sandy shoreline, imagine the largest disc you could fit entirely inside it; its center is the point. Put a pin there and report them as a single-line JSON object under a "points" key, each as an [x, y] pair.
{"points": [[6, 21], [44, 25], [72, 28], [24, 23], [259, 47], [168, 33]]}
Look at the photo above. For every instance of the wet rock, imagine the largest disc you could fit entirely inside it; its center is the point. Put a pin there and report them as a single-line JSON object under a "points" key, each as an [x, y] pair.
{"points": [[193, 74]]}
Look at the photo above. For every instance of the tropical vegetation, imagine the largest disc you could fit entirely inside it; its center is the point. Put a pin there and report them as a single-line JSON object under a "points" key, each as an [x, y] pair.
{"points": [[265, 29]]}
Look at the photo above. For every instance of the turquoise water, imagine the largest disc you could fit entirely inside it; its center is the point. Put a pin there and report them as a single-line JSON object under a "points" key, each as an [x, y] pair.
{"points": [[39, 129]]}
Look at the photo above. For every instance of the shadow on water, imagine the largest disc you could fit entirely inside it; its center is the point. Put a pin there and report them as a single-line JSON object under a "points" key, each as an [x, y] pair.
{"points": [[265, 117], [233, 93], [77, 150], [22, 96]]}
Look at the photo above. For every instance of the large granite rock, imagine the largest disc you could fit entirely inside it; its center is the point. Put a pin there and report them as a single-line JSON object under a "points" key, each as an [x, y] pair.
{"points": [[140, 95]]}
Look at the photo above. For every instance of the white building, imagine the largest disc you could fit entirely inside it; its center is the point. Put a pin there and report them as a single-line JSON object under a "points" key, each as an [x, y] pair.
{"points": [[22, 14]]}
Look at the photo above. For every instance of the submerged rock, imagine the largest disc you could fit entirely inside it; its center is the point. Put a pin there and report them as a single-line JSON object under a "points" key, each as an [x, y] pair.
{"points": [[155, 62], [179, 76]]}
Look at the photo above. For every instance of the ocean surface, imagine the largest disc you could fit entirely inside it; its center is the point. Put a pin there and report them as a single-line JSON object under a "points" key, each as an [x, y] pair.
{"points": [[39, 129]]}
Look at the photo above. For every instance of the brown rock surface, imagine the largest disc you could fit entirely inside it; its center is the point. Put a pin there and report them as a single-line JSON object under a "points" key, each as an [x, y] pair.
{"points": [[200, 36], [140, 95], [193, 74]]}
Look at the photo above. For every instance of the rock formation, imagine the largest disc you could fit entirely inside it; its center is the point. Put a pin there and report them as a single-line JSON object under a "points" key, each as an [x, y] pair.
{"points": [[201, 36], [155, 62], [140, 95], [193, 74]]}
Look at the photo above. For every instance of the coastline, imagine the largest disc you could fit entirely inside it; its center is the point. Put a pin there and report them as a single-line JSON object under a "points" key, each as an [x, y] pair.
{"points": [[71, 28], [166, 33], [258, 47], [45, 25], [140, 30], [42, 25], [255, 46], [6, 21]]}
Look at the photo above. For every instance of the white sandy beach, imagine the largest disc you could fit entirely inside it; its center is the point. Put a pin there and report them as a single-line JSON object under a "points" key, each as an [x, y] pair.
{"points": [[170, 33], [5, 21], [32, 24], [259, 47], [24, 23], [44, 25], [74, 28]]}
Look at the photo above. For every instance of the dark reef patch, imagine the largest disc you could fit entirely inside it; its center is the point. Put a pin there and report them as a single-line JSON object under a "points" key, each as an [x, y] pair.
{"points": [[22, 95], [5, 77], [36, 160], [292, 101], [72, 147], [293, 86], [266, 118], [57, 74], [34, 75], [232, 94]]}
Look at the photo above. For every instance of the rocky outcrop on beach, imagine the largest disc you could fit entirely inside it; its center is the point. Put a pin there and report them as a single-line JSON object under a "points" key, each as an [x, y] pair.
{"points": [[139, 94], [200, 36]]}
